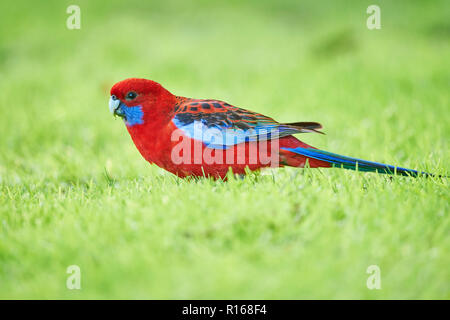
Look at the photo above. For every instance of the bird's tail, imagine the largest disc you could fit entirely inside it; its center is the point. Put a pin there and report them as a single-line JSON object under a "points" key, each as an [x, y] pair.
{"points": [[336, 160]]}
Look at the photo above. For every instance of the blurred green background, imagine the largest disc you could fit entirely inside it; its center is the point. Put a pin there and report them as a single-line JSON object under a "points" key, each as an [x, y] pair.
{"points": [[74, 189]]}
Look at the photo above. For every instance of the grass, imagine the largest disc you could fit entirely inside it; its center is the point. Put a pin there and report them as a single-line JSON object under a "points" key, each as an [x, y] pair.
{"points": [[75, 191]]}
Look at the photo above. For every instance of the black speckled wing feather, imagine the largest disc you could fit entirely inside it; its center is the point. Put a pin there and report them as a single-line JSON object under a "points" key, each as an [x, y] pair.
{"points": [[235, 125]]}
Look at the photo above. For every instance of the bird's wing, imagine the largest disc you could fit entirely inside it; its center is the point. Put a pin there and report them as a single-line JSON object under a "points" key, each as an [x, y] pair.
{"points": [[220, 125]]}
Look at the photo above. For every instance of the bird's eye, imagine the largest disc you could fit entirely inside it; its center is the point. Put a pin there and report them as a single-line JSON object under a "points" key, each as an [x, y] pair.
{"points": [[131, 95]]}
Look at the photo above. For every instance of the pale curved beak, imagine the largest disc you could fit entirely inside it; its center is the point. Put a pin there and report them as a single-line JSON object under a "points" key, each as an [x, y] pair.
{"points": [[113, 104], [114, 107]]}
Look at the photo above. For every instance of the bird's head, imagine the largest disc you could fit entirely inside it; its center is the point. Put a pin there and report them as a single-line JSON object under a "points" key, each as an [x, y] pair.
{"points": [[137, 100]]}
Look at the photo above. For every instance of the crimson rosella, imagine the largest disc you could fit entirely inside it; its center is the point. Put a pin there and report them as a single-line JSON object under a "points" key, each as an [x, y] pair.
{"points": [[198, 137]]}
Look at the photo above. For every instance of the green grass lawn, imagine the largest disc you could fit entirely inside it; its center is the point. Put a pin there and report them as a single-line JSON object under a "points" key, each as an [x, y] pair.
{"points": [[75, 191]]}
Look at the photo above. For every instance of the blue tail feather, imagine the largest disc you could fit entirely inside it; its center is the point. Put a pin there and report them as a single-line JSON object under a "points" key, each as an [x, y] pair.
{"points": [[339, 161]]}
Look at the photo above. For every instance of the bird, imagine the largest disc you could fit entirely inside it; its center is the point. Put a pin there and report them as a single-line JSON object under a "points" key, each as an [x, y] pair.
{"points": [[209, 138]]}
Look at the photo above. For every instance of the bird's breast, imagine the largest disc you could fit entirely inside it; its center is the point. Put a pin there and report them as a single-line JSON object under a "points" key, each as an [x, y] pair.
{"points": [[153, 141]]}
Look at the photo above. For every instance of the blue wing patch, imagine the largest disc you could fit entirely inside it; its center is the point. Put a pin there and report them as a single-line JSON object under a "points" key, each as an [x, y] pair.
{"points": [[219, 125], [223, 137]]}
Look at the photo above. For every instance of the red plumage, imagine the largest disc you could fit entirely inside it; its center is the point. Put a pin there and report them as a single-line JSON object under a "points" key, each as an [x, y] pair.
{"points": [[154, 142], [153, 116]]}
